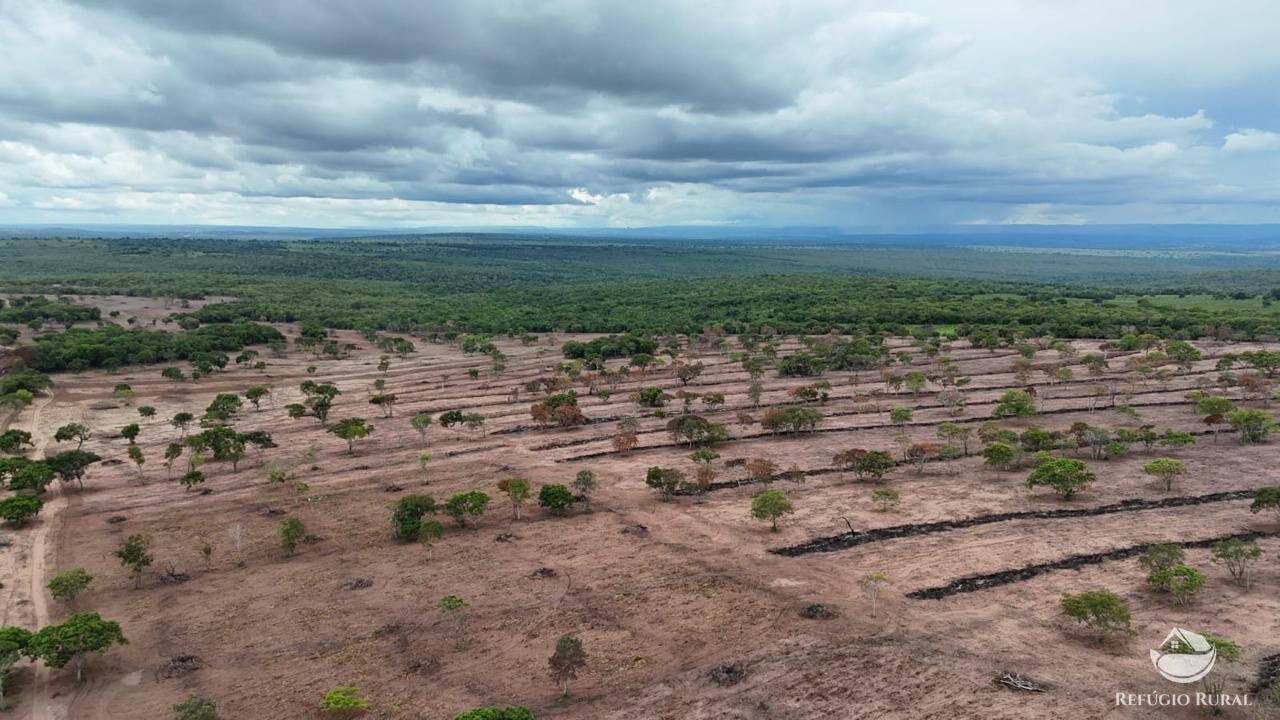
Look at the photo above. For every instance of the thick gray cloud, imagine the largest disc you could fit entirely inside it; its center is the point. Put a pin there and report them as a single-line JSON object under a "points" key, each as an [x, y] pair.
{"points": [[587, 112]]}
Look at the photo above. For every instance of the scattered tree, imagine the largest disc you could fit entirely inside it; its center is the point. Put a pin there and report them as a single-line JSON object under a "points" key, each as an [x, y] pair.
{"points": [[79, 635], [351, 429], [1237, 555], [871, 584], [1014, 403], [1266, 499], [585, 483], [1166, 469], [290, 532], [517, 489], [134, 554], [19, 509], [73, 431], [1065, 475], [1252, 425], [472, 502], [568, 658], [770, 505], [66, 586]]}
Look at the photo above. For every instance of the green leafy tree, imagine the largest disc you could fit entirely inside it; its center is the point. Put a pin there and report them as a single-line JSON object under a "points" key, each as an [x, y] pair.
{"points": [[19, 509], [72, 464], [1237, 555], [665, 480], [13, 642], [351, 429], [770, 505], [407, 524], [1251, 425], [255, 395], [147, 411], [556, 499], [871, 584], [651, 397], [68, 585], [900, 415], [1014, 403], [1000, 456], [130, 432], [191, 478], [135, 455], [172, 452], [290, 532], [182, 421], [567, 660], [1182, 581], [1174, 439], [517, 490], [1166, 469], [11, 441], [420, 423], [134, 553], [1161, 557], [1065, 476], [1266, 500], [31, 477], [472, 503], [223, 407], [585, 483], [1102, 611], [72, 640], [123, 392], [73, 431]]}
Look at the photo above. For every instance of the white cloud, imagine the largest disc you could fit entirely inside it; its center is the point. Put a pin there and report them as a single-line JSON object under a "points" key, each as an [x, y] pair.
{"points": [[1251, 141]]}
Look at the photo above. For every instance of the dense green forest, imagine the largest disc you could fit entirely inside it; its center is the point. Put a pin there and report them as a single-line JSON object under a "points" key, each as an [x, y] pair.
{"points": [[512, 283]]}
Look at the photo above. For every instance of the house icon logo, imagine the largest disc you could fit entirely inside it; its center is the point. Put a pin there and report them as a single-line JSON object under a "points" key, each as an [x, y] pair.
{"points": [[1184, 656]]}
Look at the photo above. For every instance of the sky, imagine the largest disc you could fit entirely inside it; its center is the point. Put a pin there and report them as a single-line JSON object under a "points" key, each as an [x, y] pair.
{"points": [[593, 113]]}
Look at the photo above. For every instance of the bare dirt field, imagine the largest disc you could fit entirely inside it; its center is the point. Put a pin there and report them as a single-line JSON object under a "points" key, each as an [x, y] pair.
{"points": [[660, 591]]}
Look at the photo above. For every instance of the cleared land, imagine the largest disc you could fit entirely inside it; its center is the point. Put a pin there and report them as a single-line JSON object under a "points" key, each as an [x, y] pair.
{"points": [[657, 608]]}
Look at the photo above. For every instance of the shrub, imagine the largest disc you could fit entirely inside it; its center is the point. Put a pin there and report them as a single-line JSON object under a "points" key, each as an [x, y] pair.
{"points": [[555, 498], [343, 697], [406, 519], [196, 708], [1102, 611], [290, 532], [514, 712], [1181, 581]]}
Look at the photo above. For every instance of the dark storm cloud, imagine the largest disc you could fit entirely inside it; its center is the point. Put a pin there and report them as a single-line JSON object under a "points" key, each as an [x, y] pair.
{"points": [[593, 112], [656, 52]]}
